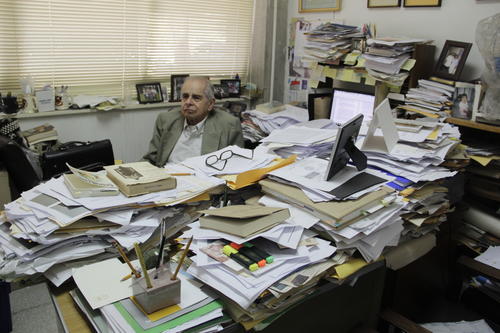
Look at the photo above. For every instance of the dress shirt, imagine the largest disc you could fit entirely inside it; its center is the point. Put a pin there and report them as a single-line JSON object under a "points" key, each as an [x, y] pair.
{"points": [[189, 143]]}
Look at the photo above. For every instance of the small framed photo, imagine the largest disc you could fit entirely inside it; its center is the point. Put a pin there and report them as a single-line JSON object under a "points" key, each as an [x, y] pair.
{"points": [[176, 82], [312, 6], [452, 60], [220, 91], [466, 100], [383, 3], [422, 3], [233, 87], [149, 93]]}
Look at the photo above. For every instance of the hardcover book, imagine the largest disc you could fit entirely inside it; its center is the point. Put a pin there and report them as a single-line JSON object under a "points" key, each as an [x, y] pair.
{"points": [[140, 178]]}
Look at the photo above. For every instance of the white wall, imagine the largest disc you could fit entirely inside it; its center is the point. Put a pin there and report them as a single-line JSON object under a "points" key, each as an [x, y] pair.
{"points": [[454, 20]]}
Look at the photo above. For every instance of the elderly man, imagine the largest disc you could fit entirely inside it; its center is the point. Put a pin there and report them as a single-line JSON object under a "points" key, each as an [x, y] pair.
{"points": [[196, 129]]}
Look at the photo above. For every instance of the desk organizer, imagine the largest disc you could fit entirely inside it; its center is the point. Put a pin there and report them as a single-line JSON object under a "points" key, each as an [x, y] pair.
{"points": [[165, 292]]}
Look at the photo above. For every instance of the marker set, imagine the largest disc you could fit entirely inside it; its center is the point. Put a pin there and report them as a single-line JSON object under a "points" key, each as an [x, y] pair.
{"points": [[247, 255]]}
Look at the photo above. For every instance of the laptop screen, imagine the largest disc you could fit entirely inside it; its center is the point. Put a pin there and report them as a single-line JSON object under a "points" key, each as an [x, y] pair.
{"points": [[346, 105]]}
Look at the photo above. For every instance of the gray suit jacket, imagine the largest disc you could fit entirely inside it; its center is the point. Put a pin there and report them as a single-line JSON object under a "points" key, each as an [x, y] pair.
{"points": [[221, 130]]}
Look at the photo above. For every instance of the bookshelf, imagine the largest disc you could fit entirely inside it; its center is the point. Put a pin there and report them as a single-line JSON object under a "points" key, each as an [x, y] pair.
{"points": [[473, 124]]}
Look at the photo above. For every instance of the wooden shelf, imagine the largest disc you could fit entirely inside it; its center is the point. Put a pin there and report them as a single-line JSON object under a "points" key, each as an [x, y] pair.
{"points": [[473, 124]]}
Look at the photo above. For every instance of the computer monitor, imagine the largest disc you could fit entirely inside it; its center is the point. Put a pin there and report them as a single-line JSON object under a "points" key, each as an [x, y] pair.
{"points": [[344, 148], [347, 104]]}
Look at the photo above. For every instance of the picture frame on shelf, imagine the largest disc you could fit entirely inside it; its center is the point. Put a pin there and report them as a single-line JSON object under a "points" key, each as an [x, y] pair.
{"points": [[220, 91], [452, 60], [422, 3], [176, 82], [383, 3], [149, 93], [233, 87], [313, 6], [466, 100]]}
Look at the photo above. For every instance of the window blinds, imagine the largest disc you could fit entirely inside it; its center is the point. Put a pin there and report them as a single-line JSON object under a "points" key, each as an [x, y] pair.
{"points": [[106, 47]]}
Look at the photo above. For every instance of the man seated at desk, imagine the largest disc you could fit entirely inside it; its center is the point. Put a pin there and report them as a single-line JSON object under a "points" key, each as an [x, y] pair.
{"points": [[196, 129]]}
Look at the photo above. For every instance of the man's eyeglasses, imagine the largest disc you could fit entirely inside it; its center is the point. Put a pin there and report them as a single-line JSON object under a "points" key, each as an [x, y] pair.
{"points": [[212, 160]]}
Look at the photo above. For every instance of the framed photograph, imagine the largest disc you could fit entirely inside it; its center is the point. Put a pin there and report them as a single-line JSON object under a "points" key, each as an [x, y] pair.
{"points": [[220, 91], [233, 87], [466, 100], [383, 3], [452, 60], [149, 93], [311, 6], [422, 3], [176, 82]]}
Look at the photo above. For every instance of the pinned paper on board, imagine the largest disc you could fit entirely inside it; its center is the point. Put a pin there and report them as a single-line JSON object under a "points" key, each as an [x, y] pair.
{"points": [[382, 118]]}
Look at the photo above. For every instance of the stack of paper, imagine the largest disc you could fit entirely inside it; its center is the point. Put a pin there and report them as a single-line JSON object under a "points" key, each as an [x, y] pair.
{"points": [[329, 42], [257, 125], [302, 141], [385, 57], [105, 299], [47, 227], [430, 98]]}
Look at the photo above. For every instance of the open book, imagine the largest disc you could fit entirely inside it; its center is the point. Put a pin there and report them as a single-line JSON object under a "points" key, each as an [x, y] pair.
{"points": [[83, 183]]}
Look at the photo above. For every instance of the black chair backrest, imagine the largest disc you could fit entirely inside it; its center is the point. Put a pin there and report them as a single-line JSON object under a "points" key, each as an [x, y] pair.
{"points": [[22, 175]]}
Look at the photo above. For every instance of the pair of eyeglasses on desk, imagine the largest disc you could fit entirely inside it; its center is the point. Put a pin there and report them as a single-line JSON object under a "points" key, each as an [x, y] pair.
{"points": [[212, 160]]}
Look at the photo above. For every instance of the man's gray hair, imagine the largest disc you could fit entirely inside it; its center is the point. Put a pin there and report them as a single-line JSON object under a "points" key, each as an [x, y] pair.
{"points": [[209, 88]]}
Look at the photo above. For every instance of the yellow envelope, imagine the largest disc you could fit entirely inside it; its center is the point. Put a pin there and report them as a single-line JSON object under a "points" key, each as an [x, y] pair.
{"points": [[235, 182], [154, 316], [348, 268]]}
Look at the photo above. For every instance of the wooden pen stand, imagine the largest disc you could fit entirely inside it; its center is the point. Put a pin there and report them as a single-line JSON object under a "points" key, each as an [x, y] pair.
{"points": [[165, 292]]}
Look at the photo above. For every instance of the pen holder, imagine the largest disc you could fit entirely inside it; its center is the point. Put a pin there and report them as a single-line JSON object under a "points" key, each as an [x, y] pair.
{"points": [[165, 292]]}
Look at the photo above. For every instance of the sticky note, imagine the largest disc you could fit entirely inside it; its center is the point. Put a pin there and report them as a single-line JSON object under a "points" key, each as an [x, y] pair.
{"points": [[361, 63], [313, 83], [330, 72], [351, 58], [369, 80], [408, 65]]}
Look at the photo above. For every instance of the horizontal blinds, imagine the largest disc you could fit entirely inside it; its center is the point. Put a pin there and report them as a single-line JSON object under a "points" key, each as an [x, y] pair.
{"points": [[106, 47]]}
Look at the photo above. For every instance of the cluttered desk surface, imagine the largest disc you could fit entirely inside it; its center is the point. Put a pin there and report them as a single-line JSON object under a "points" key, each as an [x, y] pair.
{"points": [[284, 231]]}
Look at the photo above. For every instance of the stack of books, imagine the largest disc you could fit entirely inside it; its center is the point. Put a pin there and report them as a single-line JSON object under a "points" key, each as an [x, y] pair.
{"points": [[42, 133], [430, 98]]}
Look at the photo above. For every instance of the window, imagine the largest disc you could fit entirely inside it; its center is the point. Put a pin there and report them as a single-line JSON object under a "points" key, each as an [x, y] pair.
{"points": [[105, 47]]}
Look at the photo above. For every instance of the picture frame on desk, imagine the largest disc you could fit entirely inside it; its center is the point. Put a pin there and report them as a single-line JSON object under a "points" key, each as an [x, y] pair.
{"points": [[176, 82], [466, 100], [233, 87], [452, 60], [313, 6], [422, 3], [383, 3], [149, 93], [220, 91]]}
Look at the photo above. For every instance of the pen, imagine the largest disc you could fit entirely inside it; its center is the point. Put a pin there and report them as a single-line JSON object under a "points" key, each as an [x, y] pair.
{"points": [[125, 258], [138, 252], [181, 174], [162, 244], [174, 277]]}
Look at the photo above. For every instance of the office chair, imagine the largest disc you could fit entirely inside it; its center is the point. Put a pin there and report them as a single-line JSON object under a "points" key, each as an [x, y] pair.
{"points": [[22, 174]]}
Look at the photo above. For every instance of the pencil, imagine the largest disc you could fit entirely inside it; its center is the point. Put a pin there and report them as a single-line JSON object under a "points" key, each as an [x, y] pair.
{"points": [[125, 258], [183, 256], [143, 265]]}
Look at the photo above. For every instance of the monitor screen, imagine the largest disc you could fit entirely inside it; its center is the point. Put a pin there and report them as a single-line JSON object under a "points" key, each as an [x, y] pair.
{"points": [[348, 104]]}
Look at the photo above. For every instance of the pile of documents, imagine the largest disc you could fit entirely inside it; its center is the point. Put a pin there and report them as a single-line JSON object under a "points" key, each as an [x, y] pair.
{"points": [[47, 227], [329, 42], [303, 141], [291, 246], [430, 98], [385, 57], [257, 125], [109, 305]]}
